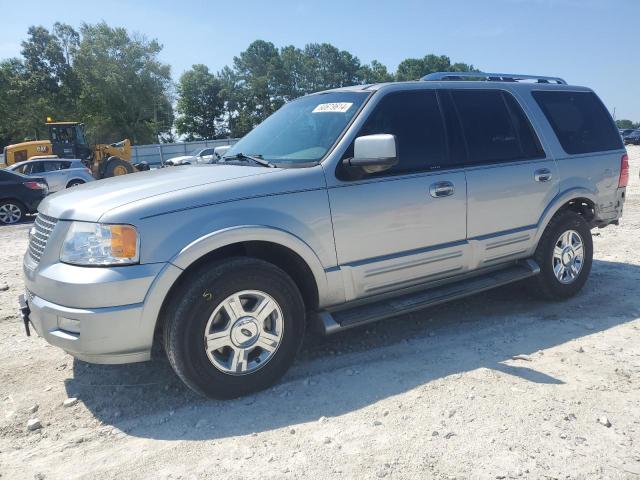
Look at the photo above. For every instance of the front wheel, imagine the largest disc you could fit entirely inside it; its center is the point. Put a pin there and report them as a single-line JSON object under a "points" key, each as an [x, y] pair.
{"points": [[234, 327], [116, 166], [565, 255]]}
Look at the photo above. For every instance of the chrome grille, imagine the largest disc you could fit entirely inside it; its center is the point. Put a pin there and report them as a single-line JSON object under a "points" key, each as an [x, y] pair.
{"points": [[43, 227]]}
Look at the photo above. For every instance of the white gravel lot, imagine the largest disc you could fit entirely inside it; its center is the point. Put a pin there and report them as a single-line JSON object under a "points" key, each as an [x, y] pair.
{"points": [[500, 385]]}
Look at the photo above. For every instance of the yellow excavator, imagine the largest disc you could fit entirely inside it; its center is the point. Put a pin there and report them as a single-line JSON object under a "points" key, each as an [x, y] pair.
{"points": [[67, 140]]}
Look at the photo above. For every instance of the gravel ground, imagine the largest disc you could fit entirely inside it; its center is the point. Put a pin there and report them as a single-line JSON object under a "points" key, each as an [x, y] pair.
{"points": [[500, 385]]}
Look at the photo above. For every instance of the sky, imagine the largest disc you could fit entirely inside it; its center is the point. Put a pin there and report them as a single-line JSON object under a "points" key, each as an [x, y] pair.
{"points": [[587, 42]]}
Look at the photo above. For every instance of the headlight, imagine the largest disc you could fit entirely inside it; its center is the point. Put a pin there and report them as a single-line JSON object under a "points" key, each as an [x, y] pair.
{"points": [[100, 245]]}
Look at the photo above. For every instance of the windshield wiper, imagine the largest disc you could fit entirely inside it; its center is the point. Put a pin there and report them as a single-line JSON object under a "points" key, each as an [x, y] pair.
{"points": [[254, 158]]}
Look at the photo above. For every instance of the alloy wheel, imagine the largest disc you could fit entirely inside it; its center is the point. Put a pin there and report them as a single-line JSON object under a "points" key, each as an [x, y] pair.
{"points": [[10, 213], [568, 256], [244, 332]]}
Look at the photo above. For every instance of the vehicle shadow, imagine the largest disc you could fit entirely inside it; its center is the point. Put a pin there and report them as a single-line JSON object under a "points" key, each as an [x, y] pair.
{"points": [[349, 371]]}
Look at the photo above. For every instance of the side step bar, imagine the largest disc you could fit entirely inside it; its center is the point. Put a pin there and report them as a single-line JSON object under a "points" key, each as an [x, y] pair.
{"points": [[372, 312]]}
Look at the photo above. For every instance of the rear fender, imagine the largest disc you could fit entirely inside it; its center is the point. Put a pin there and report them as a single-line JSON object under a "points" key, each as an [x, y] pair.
{"points": [[558, 202]]}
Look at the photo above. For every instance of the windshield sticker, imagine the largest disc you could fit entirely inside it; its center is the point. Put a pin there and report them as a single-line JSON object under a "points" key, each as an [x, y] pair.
{"points": [[338, 107]]}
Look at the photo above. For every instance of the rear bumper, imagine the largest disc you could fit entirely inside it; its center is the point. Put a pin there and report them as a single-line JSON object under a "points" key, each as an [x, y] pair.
{"points": [[32, 204], [99, 335], [611, 212]]}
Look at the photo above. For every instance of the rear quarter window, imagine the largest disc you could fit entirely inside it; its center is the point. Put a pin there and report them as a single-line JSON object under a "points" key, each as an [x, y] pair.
{"points": [[580, 121]]}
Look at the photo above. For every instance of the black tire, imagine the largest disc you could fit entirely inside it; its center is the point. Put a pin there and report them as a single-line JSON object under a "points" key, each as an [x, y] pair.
{"points": [[546, 284], [196, 300], [11, 212], [75, 183], [116, 166]]}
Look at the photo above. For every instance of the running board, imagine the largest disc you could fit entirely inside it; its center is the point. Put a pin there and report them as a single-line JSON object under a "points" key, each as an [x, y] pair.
{"points": [[329, 322]]}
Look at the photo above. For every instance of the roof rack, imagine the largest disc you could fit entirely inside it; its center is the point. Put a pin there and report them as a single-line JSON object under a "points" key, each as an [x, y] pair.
{"points": [[490, 77]]}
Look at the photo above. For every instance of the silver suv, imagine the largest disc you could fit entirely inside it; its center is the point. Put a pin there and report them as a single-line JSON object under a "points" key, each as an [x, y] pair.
{"points": [[59, 173], [343, 208]]}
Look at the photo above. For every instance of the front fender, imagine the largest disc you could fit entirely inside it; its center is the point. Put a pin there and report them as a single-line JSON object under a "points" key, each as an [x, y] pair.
{"points": [[247, 233]]}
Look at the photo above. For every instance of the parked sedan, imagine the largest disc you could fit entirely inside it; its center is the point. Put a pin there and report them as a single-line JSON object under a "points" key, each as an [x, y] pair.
{"points": [[199, 155], [19, 195], [60, 173], [633, 138]]}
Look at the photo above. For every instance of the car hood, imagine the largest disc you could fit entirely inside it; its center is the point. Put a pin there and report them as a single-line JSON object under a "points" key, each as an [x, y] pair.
{"points": [[91, 201]]}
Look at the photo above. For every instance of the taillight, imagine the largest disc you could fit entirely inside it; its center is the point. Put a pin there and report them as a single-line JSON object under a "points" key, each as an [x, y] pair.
{"points": [[624, 171], [35, 185], [88, 170]]}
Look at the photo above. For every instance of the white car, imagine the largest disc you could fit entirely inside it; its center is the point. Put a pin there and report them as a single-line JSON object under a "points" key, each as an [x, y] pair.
{"points": [[60, 173], [200, 155]]}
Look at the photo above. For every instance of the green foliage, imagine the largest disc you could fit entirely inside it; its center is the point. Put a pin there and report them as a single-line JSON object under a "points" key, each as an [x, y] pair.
{"points": [[200, 105], [114, 82], [11, 105], [263, 77], [416, 68], [375, 73], [102, 76], [624, 124], [124, 87]]}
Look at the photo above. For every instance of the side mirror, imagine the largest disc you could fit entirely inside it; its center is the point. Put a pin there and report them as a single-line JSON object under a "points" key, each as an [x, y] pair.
{"points": [[374, 153], [219, 152]]}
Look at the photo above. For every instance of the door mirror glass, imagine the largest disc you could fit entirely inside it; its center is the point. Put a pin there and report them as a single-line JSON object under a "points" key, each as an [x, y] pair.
{"points": [[374, 153]]}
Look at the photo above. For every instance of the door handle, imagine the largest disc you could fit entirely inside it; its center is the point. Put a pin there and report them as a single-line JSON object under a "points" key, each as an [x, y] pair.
{"points": [[542, 175], [441, 189]]}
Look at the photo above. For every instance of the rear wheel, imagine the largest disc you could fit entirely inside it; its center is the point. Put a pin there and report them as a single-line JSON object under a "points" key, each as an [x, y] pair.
{"points": [[234, 327], [74, 183], [565, 254], [11, 211], [116, 166]]}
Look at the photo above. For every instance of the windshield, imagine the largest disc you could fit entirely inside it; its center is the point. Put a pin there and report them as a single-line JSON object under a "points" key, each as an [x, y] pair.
{"points": [[302, 130]]}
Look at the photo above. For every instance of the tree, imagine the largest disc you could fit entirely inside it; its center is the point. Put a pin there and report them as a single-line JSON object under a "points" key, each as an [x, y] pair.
{"points": [[68, 38], [46, 85], [416, 68], [374, 73], [200, 105], [125, 89], [263, 78], [254, 88], [327, 67], [625, 124], [11, 129]]}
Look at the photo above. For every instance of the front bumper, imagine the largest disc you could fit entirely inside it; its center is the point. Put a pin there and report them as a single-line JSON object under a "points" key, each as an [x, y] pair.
{"points": [[99, 335], [99, 315]]}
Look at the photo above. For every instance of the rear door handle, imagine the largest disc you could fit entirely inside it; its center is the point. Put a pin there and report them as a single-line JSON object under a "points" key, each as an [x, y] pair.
{"points": [[441, 189], [542, 175]]}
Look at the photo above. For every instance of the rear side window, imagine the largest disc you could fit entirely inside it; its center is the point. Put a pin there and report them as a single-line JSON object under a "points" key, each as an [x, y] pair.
{"points": [[580, 121], [414, 118], [51, 166], [495, 127], [35, 167]]}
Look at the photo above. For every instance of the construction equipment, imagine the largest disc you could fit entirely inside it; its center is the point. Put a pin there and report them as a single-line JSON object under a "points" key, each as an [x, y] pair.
{"points": [[67, 140]]}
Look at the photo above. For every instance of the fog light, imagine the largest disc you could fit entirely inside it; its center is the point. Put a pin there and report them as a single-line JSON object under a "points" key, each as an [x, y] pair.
{"points": [[69, 324]]}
